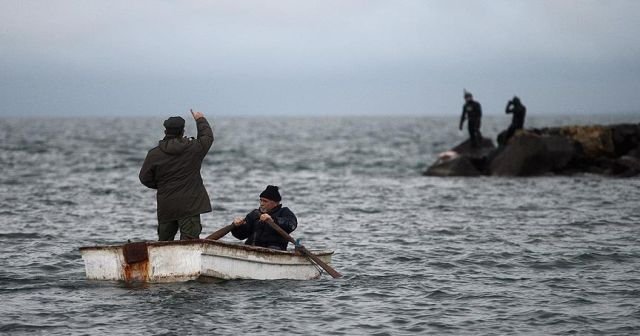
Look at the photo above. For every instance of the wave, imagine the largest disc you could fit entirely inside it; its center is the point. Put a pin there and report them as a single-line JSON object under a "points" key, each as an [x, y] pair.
{"points": [[15, 327]]}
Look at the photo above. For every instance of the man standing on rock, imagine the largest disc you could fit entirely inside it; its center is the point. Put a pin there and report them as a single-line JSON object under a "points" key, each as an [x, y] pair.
{"points": [[473, 111], [515, 107], [173, 169]]}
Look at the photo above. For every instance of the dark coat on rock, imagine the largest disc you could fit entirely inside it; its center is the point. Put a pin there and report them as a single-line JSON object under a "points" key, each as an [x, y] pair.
{"points": [[472, 110], [519, 112], [259, 233], [173, 168]]}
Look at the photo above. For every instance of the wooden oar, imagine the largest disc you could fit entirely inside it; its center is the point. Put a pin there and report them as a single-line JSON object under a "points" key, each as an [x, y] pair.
{"points": [[221, 233], [304, 250]]}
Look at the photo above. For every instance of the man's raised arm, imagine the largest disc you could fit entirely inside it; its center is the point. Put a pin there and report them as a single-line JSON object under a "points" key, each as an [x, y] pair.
{"points": [[205, 133]]}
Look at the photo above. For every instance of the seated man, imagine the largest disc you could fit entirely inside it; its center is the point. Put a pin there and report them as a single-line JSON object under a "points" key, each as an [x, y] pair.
{"points": [[519, 112], [255, 226]]}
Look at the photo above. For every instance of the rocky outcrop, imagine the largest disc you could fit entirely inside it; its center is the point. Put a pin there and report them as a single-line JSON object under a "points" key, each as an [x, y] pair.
{"points": [[609, 150]]}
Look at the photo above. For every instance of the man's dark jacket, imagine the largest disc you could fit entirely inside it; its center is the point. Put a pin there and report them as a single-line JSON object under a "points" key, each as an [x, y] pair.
{"points": [[473, 111], [173, 168], [519, 112], [259, 233]]}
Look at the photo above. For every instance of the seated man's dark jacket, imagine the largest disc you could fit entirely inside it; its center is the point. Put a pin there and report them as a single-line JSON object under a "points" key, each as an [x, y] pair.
{"points": [[173, 168], [259, 233]]}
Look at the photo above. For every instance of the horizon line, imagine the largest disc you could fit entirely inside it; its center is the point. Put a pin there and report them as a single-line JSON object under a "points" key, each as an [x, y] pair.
{"points": [[317, 115]]}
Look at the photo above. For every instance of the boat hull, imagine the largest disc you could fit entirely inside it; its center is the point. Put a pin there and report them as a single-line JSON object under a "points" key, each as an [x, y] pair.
{"points": [[178, 261]]}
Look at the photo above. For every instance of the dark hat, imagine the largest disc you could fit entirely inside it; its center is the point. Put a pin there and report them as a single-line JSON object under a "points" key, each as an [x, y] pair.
{"points": [[467, 94], [174, 122], [174, 125], [271, 193]]}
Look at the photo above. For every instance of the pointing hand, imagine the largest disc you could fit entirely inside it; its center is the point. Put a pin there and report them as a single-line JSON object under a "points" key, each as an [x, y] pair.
{"points": [[196, 115]]}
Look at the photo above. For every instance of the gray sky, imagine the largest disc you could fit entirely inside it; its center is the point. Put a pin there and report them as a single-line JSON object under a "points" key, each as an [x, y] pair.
{"points": [[324, 57]]}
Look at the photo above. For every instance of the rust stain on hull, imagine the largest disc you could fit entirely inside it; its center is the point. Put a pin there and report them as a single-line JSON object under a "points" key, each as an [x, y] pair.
{"points": [[136, 267], [136, 272]]}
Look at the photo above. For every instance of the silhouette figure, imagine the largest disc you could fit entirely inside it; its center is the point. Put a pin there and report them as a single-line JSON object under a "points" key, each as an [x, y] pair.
{"points": [[473, 111]]}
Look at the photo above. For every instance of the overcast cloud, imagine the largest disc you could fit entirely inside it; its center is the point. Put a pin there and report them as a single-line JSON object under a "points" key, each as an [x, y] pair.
{"points": [[317, 57]]}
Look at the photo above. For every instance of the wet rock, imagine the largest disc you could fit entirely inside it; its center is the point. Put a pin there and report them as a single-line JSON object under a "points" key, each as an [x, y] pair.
{"points": [[530, 154], [467, 149], [458, 166], [463, 160], [625, 137], [627, 165], [634, 153], [596, 141]]}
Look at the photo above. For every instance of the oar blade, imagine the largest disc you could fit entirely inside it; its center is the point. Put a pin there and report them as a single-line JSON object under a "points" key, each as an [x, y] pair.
{"points": [[306, 252], [335, 274]]}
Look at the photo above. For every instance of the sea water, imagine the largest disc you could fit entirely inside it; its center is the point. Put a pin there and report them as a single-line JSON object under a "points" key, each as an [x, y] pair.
{"points": [[420, 255]]}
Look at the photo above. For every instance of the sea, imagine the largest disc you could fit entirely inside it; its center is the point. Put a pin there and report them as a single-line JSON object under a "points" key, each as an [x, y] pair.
{"points": [[550, 255]]}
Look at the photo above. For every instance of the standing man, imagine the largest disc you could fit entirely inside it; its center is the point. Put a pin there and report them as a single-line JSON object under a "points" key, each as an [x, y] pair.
{"points": [[519, 112], [255, 226], [173, 168], [473, 111]]}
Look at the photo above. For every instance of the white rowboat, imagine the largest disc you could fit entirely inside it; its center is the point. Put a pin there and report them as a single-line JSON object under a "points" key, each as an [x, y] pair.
{"points": [[185, 260]]}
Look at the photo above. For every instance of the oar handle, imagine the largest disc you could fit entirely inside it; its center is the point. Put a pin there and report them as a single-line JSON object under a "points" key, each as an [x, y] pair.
{"points": [[304, 250], [221, 233]]}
